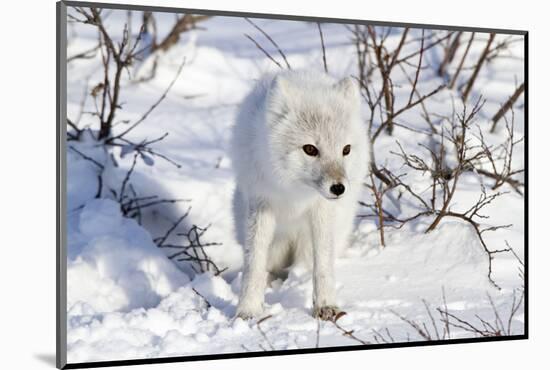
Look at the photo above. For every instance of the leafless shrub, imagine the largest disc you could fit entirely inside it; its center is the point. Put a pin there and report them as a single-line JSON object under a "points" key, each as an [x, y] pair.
{"points": [[107, 93], [497, 326], [499, 158], [440, 328], [192, 250], [372, 54], [455, 136], [117, 57], [447, 137], [445, 179], [122, 55]]}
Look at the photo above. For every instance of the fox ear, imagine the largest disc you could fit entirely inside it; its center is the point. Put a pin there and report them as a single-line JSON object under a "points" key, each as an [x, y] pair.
{"points": [[282, 94], [282, 87], [348, 88]]}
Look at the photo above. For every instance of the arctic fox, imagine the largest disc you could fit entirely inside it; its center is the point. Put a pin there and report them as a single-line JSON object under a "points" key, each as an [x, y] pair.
{"points": [[300, 154]]}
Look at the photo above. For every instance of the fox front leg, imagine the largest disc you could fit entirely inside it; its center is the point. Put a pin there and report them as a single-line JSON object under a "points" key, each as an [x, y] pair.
{"points": [[260, 227], [324, 296]]}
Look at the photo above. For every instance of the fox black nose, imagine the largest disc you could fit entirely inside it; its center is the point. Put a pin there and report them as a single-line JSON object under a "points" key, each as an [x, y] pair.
{"points": [[337, 189]]}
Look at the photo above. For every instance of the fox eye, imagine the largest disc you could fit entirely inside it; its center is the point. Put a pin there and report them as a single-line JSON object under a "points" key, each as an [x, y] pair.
{"points": [[310, 150], [346, 150]]}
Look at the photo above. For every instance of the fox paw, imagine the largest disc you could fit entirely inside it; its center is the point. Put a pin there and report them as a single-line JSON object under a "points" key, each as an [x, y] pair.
{"points": [[328, 313], [247, 313]]}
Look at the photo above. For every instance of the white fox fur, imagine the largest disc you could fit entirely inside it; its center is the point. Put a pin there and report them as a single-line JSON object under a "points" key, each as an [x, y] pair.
{"points": [[285, 212]]}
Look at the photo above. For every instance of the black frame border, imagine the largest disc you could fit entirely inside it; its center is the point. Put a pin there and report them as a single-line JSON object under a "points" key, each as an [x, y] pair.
{"points": [[61, 255]]}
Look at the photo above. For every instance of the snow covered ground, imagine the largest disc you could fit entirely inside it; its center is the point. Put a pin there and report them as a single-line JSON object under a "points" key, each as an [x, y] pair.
{"points": [[127, 300]]}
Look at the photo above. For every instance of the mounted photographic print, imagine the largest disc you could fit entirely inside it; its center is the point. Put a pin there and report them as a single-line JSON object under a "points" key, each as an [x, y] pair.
{"points": [[236, 185]]}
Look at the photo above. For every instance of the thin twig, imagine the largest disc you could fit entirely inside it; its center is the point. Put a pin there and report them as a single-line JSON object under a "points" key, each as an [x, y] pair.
{"points": [[323, 47], [270, 40]]}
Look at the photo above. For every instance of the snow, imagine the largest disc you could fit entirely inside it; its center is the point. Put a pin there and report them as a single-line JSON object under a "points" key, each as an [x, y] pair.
{"points": [[127, 300], [118, 266]]}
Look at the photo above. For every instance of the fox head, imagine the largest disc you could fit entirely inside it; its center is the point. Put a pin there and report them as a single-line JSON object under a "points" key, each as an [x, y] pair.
{"points": [[317, 138]]}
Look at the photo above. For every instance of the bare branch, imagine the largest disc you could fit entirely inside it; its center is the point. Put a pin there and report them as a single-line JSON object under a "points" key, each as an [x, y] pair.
{"points": [[480, 62], [152, 107], [507, 105], [461, 63], [263, 51], [266, 35], [323, 47]]}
